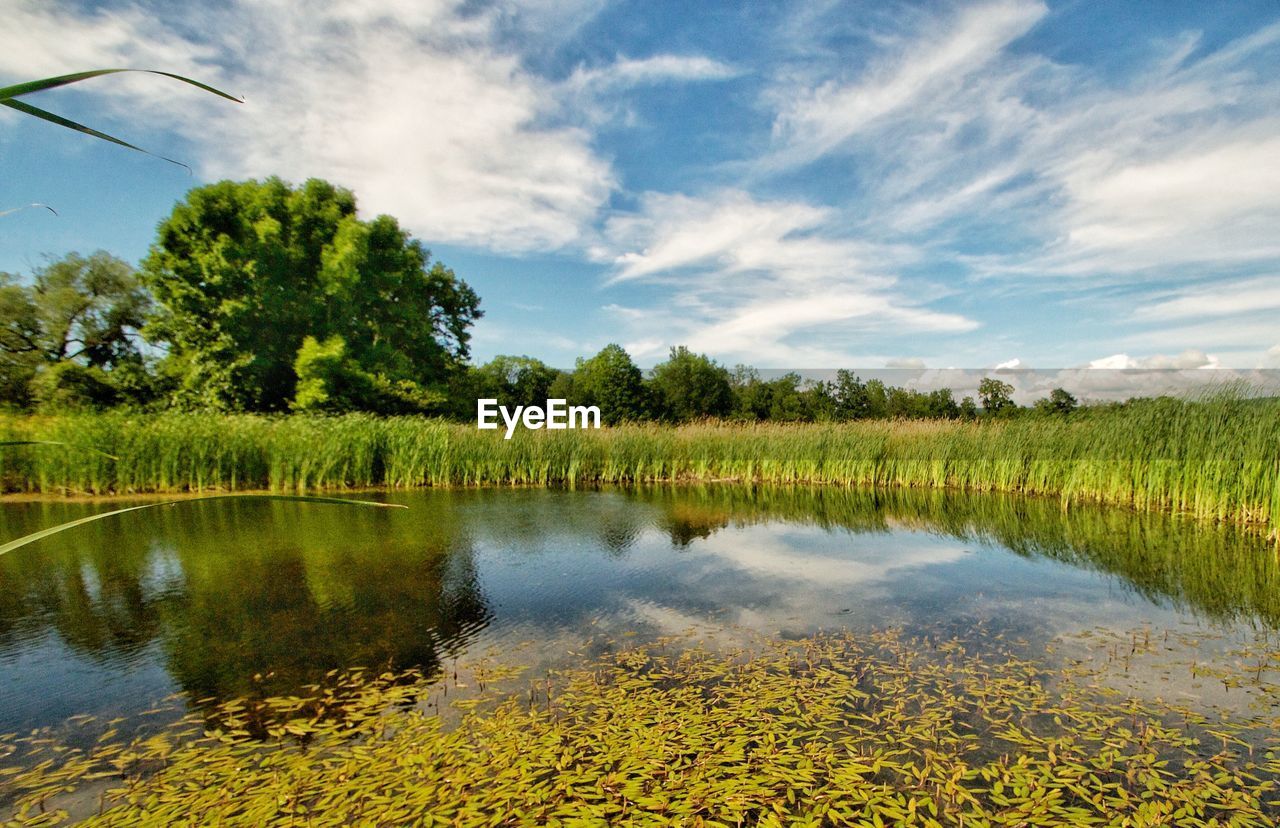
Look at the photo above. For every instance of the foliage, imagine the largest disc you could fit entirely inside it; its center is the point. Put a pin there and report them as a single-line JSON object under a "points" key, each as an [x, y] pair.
{"points": [[611, 381], [63, 336], [1215, 458], [996, 395], [691, 386], [1059, 401], [330, 381], [788, 398], [514, 380], [831, 729], [244, 272]]}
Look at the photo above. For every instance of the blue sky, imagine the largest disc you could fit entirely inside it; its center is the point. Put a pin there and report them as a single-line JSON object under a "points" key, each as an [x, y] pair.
{"points": [[788, 185]]}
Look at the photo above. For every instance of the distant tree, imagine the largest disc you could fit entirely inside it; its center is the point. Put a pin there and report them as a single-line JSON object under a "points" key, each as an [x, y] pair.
{"points": [[611, 381], [688, 386], [70, 328], [244, 272], [788, 398], [850, 395], [940, 404], [820, 401], [996, 396], [515, 380], [968, 409], [1059, 401], [877, 399]]}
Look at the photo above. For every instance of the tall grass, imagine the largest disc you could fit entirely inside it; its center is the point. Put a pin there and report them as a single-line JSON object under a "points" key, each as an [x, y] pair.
{"points": [[1216, 458]]}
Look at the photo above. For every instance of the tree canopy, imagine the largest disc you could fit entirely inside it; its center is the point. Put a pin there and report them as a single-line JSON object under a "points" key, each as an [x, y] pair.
{"points": [[611, 381], [58, 335], [244, 272], [689, 386]]}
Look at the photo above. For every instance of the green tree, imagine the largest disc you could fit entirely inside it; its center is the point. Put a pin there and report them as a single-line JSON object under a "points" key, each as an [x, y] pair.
{"points": [[611, 381], [689, 386], [330, 381], [850, 394], [515, 380], [996, 396], [63, 335], [1059, 401], [244, 272], [788, 398], [877, 399]]}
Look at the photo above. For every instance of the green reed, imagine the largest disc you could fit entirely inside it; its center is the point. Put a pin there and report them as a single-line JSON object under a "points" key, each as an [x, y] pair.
{"points": [[1216, 458]]}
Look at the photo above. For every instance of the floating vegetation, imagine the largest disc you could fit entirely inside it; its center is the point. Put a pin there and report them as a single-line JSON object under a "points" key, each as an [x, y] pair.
{"points": [[834, 729], [1217, 458]]}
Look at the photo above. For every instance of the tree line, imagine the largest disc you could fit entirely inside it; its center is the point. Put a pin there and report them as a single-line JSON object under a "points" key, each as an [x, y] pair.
{"points": [[259, 296]]}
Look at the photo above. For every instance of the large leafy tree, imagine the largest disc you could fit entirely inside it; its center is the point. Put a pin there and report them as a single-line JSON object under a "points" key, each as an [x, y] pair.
{"points": [[688, 386], [63, 333], [244, 272]]}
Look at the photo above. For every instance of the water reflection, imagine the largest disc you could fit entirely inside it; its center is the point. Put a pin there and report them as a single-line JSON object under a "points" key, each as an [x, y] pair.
{"points": [[224, 598]]}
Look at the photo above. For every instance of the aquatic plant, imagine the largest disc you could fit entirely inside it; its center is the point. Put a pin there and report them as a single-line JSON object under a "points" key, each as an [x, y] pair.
{"points": [[829, 730], [1217, 458]]}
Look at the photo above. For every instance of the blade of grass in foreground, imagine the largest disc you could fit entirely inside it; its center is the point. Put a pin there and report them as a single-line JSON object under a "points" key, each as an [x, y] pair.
{"points": [[62, 80], [8, 94], [35, 206], [54, 443], [62, 527]]}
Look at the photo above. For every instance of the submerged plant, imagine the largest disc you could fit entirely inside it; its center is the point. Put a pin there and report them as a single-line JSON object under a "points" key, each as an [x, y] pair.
{"points": [[873, 730]]}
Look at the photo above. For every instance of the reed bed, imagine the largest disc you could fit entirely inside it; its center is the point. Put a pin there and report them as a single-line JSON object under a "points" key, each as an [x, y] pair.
{"points": [[1217, 459]]}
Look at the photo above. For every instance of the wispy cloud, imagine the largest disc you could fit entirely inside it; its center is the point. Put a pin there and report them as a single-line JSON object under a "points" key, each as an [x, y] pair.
{"points": [[934, 65], [1247, 296], [412, 104], [909, 176], [760, 279], [628, 72]]}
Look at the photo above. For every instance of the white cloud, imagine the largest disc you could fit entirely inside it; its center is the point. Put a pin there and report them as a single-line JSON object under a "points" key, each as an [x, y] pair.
{"points": [[414, 105], [1220, 299], [627, 72], [1170, 165], [945, 55], [760, 281], [1188, 359], [1025, 170]]}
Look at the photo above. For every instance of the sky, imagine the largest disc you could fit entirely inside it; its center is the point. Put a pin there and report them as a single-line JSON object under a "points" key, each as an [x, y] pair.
{"points": [[789, 185]]}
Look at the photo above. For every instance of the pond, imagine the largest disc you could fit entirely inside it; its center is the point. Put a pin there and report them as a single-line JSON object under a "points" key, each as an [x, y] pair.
{"points": [[219, 599]]}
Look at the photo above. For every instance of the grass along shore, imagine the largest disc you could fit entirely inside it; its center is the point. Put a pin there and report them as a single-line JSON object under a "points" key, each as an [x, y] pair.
{"points": [[1216, 459]]}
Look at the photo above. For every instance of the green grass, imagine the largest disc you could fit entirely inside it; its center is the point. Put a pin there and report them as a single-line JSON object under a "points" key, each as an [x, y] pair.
{"points": [[1216, 459]]}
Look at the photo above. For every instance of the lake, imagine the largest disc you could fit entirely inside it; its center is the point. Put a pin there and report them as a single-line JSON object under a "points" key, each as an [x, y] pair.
{"points": [[218, 599]]}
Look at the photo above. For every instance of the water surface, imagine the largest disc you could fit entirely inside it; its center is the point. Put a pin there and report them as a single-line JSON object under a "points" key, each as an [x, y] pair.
{"points": [[218, 599]]}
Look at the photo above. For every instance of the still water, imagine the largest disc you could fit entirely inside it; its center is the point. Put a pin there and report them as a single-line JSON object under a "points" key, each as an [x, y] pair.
{"points": [[211, 600]]}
